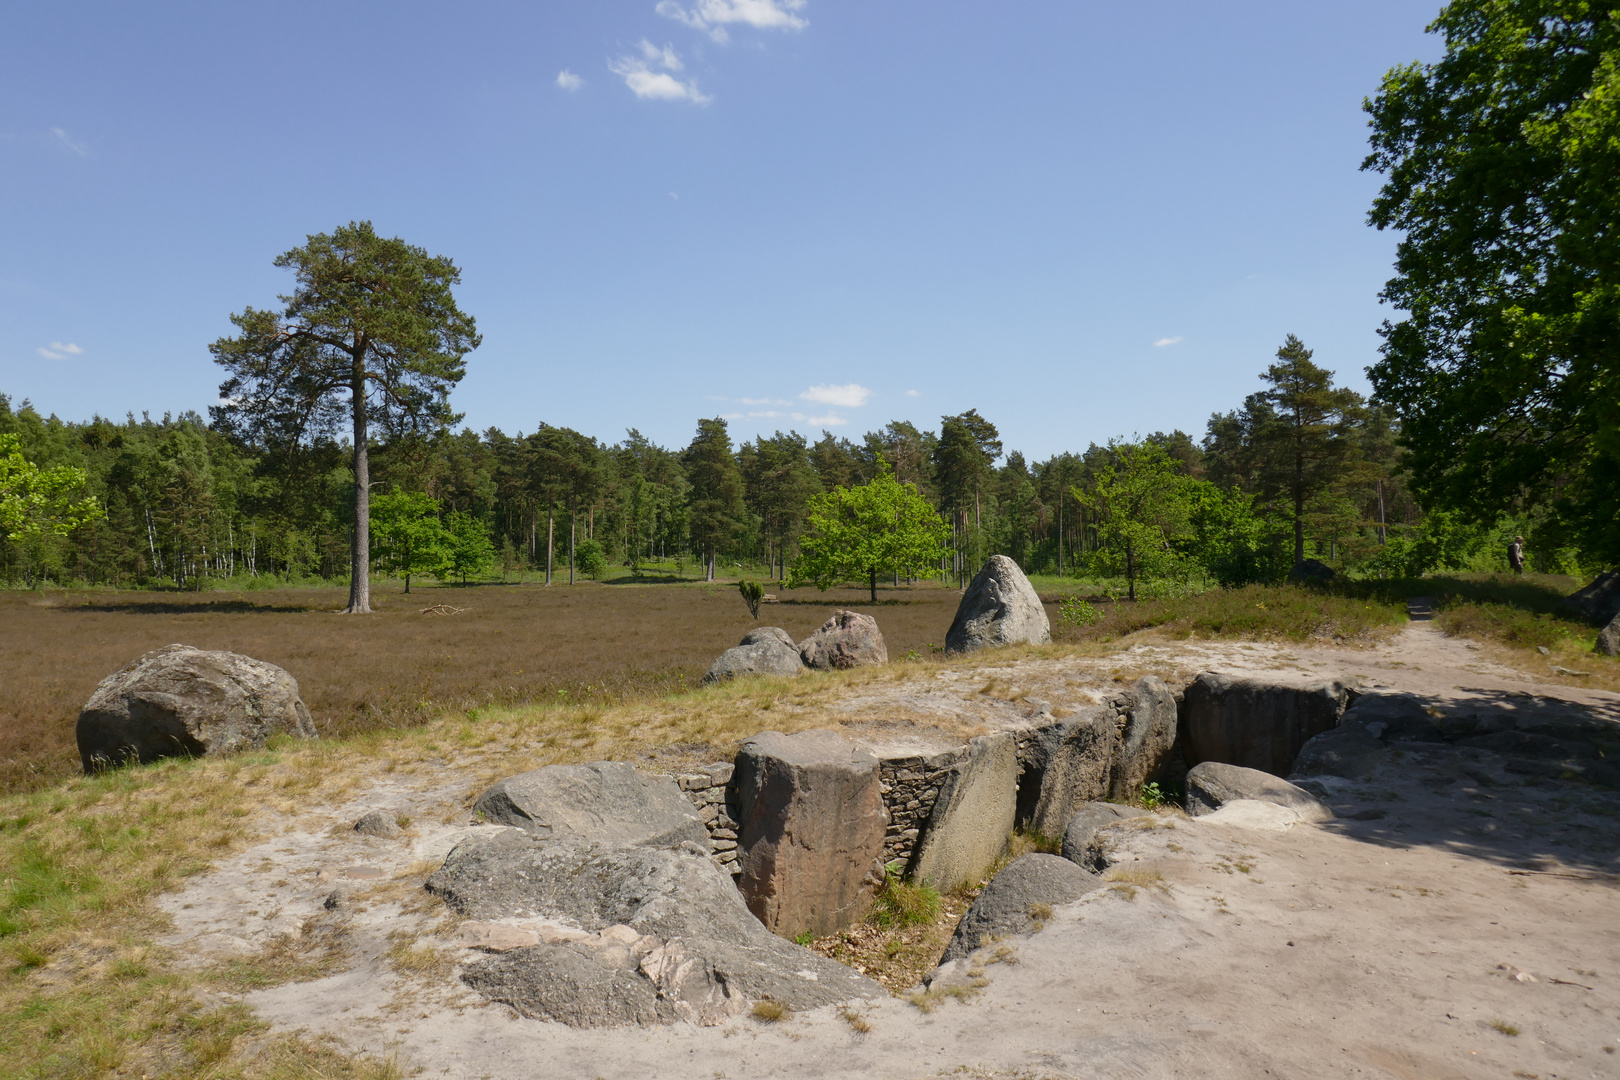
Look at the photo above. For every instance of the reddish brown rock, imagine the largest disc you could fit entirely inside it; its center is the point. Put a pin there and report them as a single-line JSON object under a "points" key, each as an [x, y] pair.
{"points": [[811, 835]]}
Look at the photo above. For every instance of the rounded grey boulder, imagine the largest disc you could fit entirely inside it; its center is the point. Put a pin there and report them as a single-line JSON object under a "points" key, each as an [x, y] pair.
{"points": [[1010, 902], [1000, 607], [1081, 842], [1213, 784], [765, 650], [606, 801], [848, 639], [180, 701]]}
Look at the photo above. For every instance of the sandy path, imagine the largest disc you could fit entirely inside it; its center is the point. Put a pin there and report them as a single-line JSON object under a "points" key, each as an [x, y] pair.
{"points": [[1370, 946]]}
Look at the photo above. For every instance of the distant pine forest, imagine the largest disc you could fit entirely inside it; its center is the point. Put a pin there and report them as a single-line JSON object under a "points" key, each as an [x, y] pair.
{"points": [[1300, 470]]}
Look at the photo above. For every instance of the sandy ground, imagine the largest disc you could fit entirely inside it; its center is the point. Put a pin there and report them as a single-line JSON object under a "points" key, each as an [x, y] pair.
{"points": [[1449, 904]]}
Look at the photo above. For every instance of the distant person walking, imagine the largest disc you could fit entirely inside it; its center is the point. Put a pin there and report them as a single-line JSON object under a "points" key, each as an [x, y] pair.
{"points": [[1516, 554]]}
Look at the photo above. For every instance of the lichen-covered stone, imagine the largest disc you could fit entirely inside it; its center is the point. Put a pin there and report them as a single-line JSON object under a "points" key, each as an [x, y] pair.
{"points": [[1256, 723], [972, 816], [180, 701], [1000, 607], [848, 639]]}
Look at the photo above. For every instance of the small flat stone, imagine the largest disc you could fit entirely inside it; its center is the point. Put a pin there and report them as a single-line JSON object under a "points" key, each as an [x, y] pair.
{"points": [[362, 873], [496, 937]]}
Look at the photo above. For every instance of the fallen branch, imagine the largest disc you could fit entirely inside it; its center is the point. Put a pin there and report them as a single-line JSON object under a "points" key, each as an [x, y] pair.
{"points": [[444, 609]]}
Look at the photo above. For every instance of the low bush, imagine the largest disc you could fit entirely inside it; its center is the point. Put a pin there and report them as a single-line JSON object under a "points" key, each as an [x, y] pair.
{"points": [[1263, 612]]}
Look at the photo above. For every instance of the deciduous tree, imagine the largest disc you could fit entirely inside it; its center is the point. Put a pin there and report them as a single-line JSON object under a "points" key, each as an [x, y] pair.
{"points": [[880, 527], [1501, 161]]}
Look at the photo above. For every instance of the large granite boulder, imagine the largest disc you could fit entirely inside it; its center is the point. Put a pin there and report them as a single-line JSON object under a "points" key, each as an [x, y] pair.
{"points": [[180, 701], [1599, 602], [1608, 639], [1000, 607], [765, 650], [848, 639], [1255, 723], [1082, 839], [810, 834], [1145, 737], [606, 801], [629, 935], [971, 820], [1012, 901], [1072, 761], [1212, 784]]}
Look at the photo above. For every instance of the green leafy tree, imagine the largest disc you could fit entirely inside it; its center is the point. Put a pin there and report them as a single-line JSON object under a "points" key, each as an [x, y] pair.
{"points": [[1137, 503], [410, 537], [1500, 162], [881, 527], [370, 332], [590, 558], [37, 505], [716, 502], [468, 548]]}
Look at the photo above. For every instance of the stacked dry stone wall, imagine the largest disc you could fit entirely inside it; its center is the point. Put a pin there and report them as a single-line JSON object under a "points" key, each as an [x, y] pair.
{"points": [[911, 785], [707, 790]]}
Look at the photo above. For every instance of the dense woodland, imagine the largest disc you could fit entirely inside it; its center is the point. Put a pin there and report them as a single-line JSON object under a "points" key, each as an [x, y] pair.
{"points": [[1301, 469]]}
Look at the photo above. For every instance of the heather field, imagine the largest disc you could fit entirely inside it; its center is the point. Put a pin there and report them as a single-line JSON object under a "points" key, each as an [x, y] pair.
{"points": [[419, 656]]}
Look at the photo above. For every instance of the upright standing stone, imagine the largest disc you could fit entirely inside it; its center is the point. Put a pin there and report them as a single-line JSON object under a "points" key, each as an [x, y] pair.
{"points": [[1254, 723], [848, 639], [973, 816], [180, 701], [1000, 607], [1146, 736], [1075, 760], [811, 836]]}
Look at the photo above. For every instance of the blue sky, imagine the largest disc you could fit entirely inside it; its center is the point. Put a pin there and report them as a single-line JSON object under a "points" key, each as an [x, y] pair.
{"points": [[1083, 220]]}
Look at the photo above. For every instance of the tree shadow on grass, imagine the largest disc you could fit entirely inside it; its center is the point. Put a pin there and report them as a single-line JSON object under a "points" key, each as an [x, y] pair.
{"points": [[194, 607], [1535, 808]]}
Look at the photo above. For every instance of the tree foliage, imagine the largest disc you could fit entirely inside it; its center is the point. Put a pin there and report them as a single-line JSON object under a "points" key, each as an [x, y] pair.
{"points": [[1500, 162], [880, 527], [410, 537], [371, 332], [1139, 502]]}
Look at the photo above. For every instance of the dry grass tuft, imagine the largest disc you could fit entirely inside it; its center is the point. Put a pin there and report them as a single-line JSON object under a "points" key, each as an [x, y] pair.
{"points": [[767, 1011], [1125, 879], [859, 1024], [1504, 1027]]}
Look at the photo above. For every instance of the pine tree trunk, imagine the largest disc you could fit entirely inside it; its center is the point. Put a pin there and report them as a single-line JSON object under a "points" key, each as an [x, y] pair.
{"points": [[873, 584], [550, 539], [360, 539], [573, 516]]}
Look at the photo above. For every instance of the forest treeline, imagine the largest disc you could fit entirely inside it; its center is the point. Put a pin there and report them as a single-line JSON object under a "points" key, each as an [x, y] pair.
{"points": [[1302, 469]]}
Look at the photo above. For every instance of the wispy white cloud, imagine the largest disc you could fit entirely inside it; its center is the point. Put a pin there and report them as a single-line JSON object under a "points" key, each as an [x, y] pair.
{"points": [[80, 148], [1162, 342], [827, 420], [848, 396], [60, 350], [569, 81], [762, 401], [913, 393], [713, 16], [639, 74]]}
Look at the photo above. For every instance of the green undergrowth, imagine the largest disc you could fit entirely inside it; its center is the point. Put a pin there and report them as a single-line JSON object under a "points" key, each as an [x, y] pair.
{"points": [[1255, 612], [905, 903]]}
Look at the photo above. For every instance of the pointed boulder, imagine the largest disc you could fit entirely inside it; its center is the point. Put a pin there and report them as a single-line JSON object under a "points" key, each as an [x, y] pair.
{"points": [[999, 608]]}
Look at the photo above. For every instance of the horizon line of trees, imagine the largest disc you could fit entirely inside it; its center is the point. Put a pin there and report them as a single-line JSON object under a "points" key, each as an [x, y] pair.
{"points": [[1303, 469]]}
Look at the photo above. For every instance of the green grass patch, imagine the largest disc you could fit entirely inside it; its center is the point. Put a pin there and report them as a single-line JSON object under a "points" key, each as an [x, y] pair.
{"points": [[903, 903]]}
